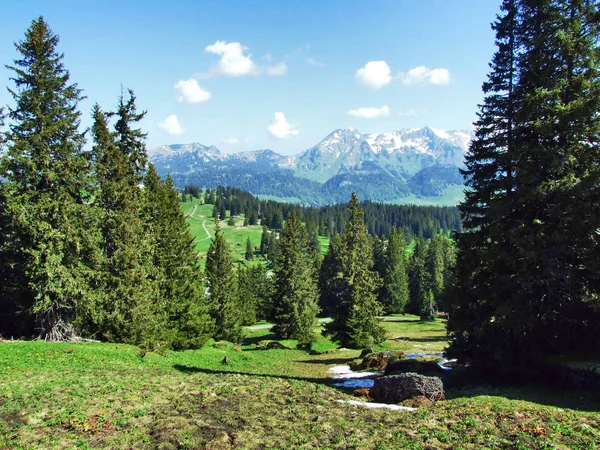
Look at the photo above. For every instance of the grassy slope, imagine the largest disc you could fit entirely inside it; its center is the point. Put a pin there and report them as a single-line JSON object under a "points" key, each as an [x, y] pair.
{"points": [[236, 235], [109, 396]]}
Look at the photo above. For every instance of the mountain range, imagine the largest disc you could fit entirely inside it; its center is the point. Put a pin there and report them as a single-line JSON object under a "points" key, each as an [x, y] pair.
{"points": [[418, 165]]}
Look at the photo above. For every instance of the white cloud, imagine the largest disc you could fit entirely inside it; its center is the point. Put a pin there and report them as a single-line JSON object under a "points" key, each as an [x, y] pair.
{"points": [[374, 74], [281, 128], [422, 75], [171, 125], [191, 92], [234, 61], [370, 113], [314, 62], [277, 70]]}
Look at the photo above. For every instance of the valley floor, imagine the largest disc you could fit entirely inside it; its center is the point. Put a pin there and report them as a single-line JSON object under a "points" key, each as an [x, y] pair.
{"points": [[63, 395]]}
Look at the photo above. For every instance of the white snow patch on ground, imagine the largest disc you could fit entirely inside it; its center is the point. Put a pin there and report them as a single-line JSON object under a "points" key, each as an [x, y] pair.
{"points": [[377, 405], [346, 378], [344, 372]]}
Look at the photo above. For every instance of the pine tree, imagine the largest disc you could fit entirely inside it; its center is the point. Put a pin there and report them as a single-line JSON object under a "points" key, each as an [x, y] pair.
{"points": [[45, 188], [395, 292], [295, 300], [249, 250], [527, 265], [184, 305], [224, 299], [264, 241], [330, 283], [129, 308], [435, 266], [420, 287], [355, 322]]}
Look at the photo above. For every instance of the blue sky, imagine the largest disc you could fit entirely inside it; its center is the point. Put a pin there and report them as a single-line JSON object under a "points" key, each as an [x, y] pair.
{"points": [[245, 75]]}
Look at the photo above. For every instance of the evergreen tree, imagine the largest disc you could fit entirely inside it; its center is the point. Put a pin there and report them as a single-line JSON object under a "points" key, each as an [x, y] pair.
{"points": [[435, 266], [256, 293], [231, 221], [249, 250], [45, 189], [295, 300], [527, 283], [330, 282], [264, 241], [128, 309], [355, 322], [184, 306], [420, 287], [224, 299], [395, 292]]}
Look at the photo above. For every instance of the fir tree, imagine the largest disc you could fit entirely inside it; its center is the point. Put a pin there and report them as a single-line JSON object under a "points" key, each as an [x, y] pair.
{"points": [[330, 281], [395, 292], [295, 300], [129, 309], [249, 250], [184, 305], [420, 287], [224, 299], [527, 283], [355, 322], [45, 188], [264, 241]]}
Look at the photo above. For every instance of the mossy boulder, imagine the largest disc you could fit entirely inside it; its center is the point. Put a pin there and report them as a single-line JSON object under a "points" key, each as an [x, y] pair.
{"points": [[377, 360]]}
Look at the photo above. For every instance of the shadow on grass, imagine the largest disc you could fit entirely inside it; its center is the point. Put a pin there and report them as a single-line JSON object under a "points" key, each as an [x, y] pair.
{"points": [[256, 339], [192, 369], [326, 362], [422, 339], [575, 399]]}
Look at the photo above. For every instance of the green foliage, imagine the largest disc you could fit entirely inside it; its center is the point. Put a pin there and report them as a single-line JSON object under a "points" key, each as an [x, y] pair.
{"points": [[528, 281], [249, 250], [295, 299], [181, 299], [46, 176], [223, 295], [255, 286], [330, 283], [129, 307], [421, 297], [355, 322], [394, 294]]}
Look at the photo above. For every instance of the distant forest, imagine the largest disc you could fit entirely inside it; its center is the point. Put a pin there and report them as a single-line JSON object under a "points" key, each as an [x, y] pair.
{"points": [[380, 218]]}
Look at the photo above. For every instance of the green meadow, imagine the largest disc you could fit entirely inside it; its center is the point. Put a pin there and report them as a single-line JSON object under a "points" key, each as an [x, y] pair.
{"points": [[115, 396], [199, 216]]}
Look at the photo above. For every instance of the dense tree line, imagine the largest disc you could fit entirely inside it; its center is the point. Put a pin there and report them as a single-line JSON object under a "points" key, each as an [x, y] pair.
{"points": [[380, 218], [528, 282], [94, 243]]}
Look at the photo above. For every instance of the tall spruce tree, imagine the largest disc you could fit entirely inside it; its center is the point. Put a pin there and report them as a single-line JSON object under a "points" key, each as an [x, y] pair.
{"points": [[355, 322], [45, 188], [129, 309], [181, 293], [395, 292], [330, 283], [528, 280], [223, 295], [295, 301], [419, 278]]}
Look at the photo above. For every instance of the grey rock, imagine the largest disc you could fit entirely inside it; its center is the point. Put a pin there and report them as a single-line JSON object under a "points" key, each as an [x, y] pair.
{"points": [[396, 388]]}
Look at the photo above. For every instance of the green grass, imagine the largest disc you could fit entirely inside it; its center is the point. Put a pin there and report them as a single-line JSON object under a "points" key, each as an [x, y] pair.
{"points": [[62, 395], [236, 235], [451, 196]]}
